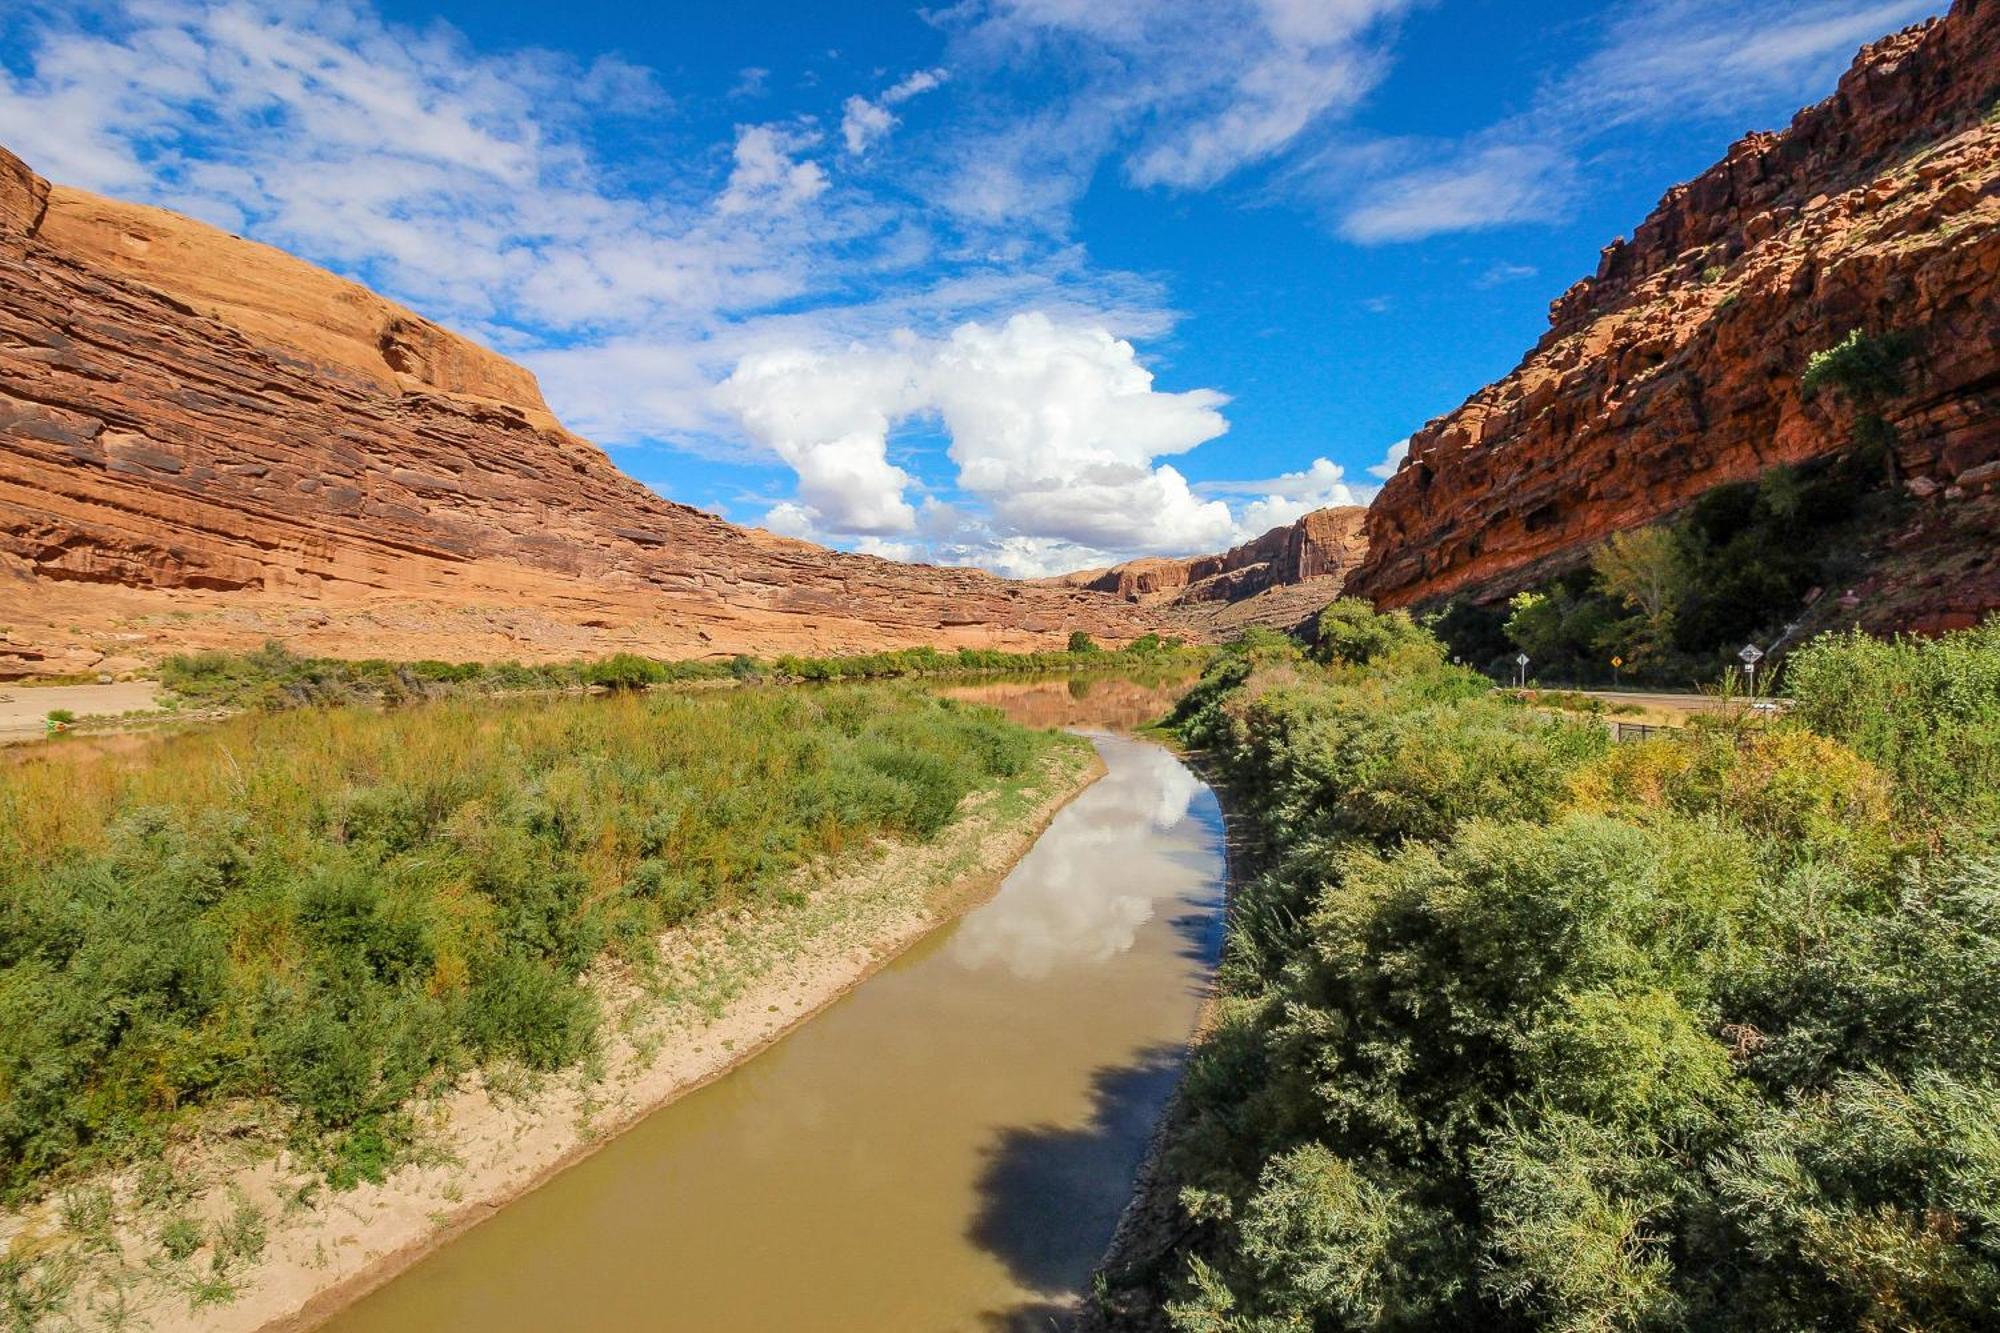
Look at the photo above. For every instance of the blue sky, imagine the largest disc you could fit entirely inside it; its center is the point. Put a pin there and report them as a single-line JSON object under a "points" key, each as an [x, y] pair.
{"points": [[1033, 284]]}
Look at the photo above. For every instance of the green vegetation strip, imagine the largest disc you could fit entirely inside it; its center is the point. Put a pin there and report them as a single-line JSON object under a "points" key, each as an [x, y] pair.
{"points": [[273, 677], [329, 913], [1522, 1030]]}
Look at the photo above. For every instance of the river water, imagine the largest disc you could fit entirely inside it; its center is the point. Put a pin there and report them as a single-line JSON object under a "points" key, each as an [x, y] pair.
{"points": [[947, 1148]]}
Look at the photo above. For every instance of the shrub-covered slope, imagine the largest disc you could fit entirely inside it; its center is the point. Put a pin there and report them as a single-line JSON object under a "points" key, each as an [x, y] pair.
{"points": [[1525, 1031]]}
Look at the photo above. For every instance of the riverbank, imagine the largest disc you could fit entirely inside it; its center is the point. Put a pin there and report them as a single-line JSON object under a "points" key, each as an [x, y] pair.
{"points": [[24, 709], [286, 1252]]}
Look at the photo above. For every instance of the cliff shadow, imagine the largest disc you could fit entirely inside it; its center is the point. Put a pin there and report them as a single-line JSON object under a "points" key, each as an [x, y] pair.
{"points": [[1050, 1196]]}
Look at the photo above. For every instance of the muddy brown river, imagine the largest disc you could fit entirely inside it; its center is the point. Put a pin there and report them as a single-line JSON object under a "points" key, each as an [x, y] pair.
{"points": [[947, 1148]]}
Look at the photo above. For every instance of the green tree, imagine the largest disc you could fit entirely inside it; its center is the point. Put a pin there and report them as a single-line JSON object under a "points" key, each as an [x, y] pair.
{"points": [[1868, 369], [1644, 571], [1535, 623], [624, 671], [1080, 642], [1352, 631]]}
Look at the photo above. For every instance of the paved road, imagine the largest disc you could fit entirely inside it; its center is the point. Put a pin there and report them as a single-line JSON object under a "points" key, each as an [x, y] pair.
{"points": [[1662, 700], [1665, 707]]}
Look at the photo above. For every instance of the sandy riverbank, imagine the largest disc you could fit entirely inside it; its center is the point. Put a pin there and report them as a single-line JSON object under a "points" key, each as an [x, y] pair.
{"points": [[297, 1251], [24, 709]]}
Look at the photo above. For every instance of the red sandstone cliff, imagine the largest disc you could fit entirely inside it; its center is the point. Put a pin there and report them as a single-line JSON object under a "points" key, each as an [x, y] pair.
{"points": [[1675, 369], [205, 442], [1278, 579]]}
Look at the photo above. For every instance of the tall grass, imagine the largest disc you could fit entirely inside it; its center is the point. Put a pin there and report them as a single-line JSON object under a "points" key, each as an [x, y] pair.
{"points": [[332, 911]]}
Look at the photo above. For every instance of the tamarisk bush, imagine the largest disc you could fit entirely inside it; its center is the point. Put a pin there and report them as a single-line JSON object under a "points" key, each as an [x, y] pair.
{"points": [[1522, 1031]]}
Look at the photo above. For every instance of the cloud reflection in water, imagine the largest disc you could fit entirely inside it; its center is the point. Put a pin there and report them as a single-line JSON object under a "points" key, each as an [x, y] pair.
{"points": [[1137, 836]]}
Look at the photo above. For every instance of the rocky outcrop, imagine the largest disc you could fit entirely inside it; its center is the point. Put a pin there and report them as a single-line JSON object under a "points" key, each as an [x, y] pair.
{"points": [[207, 442], [1676, 367], [1277, 579]]}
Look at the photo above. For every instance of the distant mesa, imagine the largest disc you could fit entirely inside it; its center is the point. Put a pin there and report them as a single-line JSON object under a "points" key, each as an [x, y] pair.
{"points": [[1278, 580]]}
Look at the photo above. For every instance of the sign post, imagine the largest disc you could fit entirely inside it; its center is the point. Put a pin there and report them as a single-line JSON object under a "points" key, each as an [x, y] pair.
{"points": [[1521, 663], [1751, 655]]}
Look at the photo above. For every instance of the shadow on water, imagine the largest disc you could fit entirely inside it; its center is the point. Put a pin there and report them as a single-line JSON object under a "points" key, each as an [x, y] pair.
{"points": [[1203, 924], [1201, 930], [1044, 1207], [1040, 1317]]}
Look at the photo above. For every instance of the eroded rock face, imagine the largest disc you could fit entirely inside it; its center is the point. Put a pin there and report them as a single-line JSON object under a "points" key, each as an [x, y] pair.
{"points": [[1676, 368], [207, 442], [1277, 579]]}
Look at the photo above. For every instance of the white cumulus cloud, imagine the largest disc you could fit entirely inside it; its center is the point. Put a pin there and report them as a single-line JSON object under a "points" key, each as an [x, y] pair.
{"points": [[767, 175], [1276, 501], [1056, 430], [862, 122], [828, 418]]}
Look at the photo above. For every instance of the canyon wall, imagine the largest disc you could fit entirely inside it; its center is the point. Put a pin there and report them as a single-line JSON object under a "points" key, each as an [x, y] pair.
{"points": [[207, 442], [1676, 367], [1279, 579]]}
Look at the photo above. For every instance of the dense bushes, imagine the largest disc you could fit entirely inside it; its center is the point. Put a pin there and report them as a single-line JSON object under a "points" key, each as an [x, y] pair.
{"points": [[1522, 1031], [1675, 602], [273, 677], [1351, 631], [1928, 713], [333, 911]]}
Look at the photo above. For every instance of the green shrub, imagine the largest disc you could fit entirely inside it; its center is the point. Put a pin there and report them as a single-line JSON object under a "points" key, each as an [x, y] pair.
{"points": [[1520, 1031], [180, 1238], [1865, 366], [1353, 632], [1926, 710], [623, 671], [334, 912]]}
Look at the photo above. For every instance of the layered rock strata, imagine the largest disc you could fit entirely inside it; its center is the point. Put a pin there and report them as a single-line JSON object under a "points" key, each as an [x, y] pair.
{"points": [[1277, 580], [205, 441], [1676, 367]]}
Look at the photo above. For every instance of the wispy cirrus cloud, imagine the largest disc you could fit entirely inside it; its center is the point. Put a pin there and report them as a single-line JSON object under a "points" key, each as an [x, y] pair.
{"points": [[1685, 61], [863, 121], [1182, 95]]}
